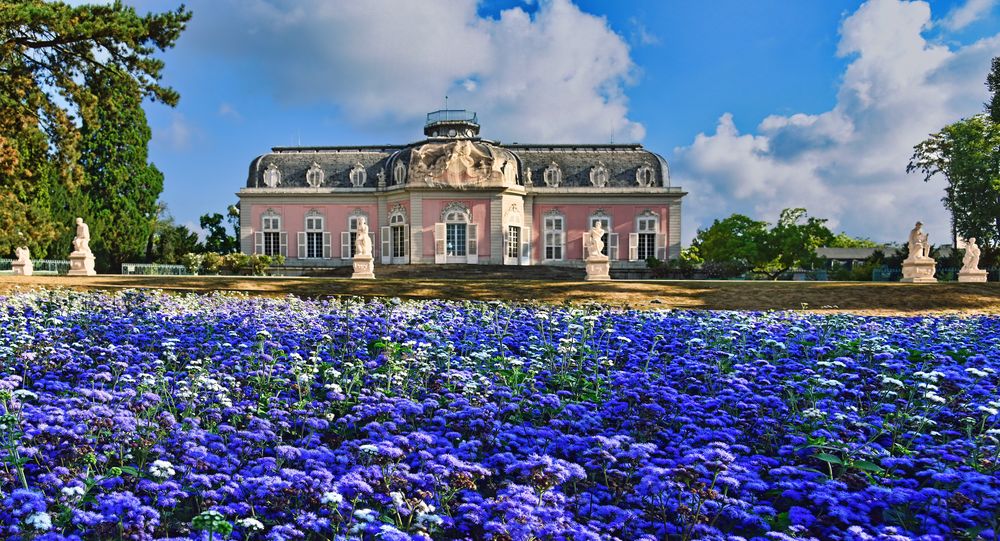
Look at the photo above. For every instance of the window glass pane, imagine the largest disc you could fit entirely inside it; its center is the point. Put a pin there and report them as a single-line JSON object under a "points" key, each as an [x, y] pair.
{"points": [[456, 239]]}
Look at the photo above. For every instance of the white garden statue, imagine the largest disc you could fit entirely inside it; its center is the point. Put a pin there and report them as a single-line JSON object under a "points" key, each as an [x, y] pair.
{"points": [[970, 271], [81, 259], [364, 265], [919, 266], [22, 265], [596, 242], [597, 264]]}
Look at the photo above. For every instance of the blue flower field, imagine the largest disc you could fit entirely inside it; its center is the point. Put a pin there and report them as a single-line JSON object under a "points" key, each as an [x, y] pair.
{"points": [[140, 415]]}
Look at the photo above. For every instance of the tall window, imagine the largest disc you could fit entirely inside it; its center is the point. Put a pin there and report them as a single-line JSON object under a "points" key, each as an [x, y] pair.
{"points": [[314, 236], [554, 235], [646, 227], [271, 226], [397, 228], [456, 236], [352, 228], [513, 241], [606, 225]]}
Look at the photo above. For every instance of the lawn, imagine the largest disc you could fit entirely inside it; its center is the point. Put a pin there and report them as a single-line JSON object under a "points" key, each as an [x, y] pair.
{"points": [[878, 298], [142, 415]]}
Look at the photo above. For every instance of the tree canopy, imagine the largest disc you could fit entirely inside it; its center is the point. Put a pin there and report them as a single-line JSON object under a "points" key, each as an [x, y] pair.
{"points": [[50, 54], [739, 244]]}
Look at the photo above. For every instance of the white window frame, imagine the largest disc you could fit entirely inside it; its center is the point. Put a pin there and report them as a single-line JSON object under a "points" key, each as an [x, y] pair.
{"points": [[552, 175], [271, 235], [396, 239], [359, 175], [272, 176], [553, 237], [314, 235], [314, 176], [456, 214], [644, 176], [399, 173], [599, 175]]}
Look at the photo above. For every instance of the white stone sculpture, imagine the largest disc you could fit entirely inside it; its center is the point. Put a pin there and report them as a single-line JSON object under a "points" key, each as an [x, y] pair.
{"points": [[919, 267], [598, 265], [81, 259], [970, 271], [22, 265], [364, 267]]}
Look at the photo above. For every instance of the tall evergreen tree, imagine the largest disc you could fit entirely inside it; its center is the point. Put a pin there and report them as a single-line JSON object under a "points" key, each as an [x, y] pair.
{"points": [[46, 51], [120, 187]]}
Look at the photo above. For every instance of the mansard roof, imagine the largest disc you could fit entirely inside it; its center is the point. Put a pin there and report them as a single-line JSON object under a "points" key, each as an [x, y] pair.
{"points": [[574, 161]]}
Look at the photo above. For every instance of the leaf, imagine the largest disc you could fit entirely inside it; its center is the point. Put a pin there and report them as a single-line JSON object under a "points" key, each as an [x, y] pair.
{"points": [[129, 470], [867, 466], [827, 457]]}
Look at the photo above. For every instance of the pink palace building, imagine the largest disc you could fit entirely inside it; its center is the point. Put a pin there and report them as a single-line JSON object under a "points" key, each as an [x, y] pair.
{"points": [[456, 198]]}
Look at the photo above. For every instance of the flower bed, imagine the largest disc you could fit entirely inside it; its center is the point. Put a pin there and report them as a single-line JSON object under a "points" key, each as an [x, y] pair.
{"points": [[147, 416]]}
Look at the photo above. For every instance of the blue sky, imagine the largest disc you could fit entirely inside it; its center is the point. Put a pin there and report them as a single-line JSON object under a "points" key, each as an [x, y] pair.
{"points": [[756, 105]]}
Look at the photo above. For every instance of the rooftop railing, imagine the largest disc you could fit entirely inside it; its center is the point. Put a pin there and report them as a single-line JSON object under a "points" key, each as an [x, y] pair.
{"points": [[445, 115]]}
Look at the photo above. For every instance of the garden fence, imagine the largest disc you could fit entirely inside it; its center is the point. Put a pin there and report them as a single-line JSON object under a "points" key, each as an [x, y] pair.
{"points": [[947, 274], [40, 266], [155, 269]]}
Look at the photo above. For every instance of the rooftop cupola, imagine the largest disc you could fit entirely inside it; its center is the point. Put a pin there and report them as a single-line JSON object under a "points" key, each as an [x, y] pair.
{"points": [[451, 124]]}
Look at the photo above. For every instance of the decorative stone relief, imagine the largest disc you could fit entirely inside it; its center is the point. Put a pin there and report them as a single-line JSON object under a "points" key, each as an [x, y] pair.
{"points": [[644, 176], [599, 175], [358, 175], [399, 209], [314, 177], [552, 175], [527, 176], [272, 176], [455, 207], [513, 215], [381, 177], [399, 173]]}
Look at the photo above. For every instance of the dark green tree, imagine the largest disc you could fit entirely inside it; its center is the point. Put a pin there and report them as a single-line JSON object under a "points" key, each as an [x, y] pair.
{"points": [[217, 239], [46, 51], [731, 246], [967, 154], [792, 243], [993, 84], [843, 240], [121, 187]]}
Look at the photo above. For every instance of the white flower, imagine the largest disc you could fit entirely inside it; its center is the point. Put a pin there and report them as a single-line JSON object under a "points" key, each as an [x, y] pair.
{"points": [[250, 523], [333, 497], [934, 397], [72, 491], [991, 411], [428, 518], [893, 381], [368, 448], [366, 515], [976, 372], [40, 521], [24, 394], [161, 469]]}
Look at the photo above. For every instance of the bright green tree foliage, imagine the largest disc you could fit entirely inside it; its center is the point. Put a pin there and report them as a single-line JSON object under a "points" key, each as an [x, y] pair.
{"points": [[967, 153], [741, 244], [217, 238], [843, 240], [47, 51]]}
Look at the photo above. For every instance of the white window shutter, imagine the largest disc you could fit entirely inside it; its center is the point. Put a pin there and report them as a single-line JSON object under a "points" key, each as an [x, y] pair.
{"points": [[633, 246], [406, 242], [327, 242], [345, 245], [661, 247], [525, 245], [386, 246], [258, 242], [283, 243], [440, 251], [586, 245], [613, 246], [302, 245], [560, 241], [472, 254]]}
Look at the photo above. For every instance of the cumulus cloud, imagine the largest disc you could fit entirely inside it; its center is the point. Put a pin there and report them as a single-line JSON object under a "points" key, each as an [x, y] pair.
{"points": [[964, 15], [848, 164], [176, 135], [556, 74]]}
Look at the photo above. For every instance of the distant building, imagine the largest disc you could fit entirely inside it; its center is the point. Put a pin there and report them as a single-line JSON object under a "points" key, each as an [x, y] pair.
{"points": [[456, 198]]}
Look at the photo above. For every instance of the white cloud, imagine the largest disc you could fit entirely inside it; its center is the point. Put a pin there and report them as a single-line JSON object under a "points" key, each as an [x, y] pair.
{"points": [[177, 135], [967, 13], [229, 111], [848, 164], [556, 75]]}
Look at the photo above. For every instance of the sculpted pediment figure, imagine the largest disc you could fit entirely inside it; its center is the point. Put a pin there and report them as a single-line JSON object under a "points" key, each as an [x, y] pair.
{"points": [[460, 164]]}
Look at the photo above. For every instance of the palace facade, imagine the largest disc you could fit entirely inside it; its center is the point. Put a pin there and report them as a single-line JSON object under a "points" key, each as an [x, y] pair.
{"points": [[456, 198]]}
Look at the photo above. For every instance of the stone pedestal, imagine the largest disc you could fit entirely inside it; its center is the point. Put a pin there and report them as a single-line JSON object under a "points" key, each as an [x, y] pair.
{"points": [[364, 268], [598, 268], [919, 271], [19, 268], [972, 276], [81, 264]]}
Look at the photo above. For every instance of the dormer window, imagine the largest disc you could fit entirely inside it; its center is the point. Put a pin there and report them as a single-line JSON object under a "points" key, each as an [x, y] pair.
{"points": [[552, 175], [599, 175], [644, 176], [314, 177], [399, 173], [272, 177], [358, 175]]}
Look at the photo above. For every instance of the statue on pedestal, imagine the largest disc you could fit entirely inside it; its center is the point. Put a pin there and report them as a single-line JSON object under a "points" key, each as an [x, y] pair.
{"points": [[597, 264], [970, 271], [81, 243], [363, 244], [596, 241], [919, 266], [22, 265], [81, 259], [918, 245]]}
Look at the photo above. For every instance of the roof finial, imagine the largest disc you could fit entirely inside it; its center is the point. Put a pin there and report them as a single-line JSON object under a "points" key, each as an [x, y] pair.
{"points": [[445, 102]]}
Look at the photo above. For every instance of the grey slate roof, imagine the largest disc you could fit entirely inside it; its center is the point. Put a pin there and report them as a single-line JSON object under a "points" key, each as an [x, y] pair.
{"points": [[575, 162]]}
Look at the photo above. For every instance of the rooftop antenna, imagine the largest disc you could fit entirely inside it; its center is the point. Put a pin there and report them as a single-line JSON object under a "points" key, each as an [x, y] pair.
{"points": [[446, 102], [612, 132]]}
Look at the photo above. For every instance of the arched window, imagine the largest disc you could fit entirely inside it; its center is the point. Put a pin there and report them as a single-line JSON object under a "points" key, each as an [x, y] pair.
{"points": [[599, 175], [644, 176], [399, 173], [554, 235], [270, 240], [272, 177], [314, 242], [314, 176], [644, 241], [455, 236], [552, 175], [396, 236], [358, 175]]}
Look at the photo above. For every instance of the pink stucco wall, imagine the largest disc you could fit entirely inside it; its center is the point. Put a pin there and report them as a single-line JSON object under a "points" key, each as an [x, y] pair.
{"points": [[623, 222], [480, 209], [293, 218]]}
